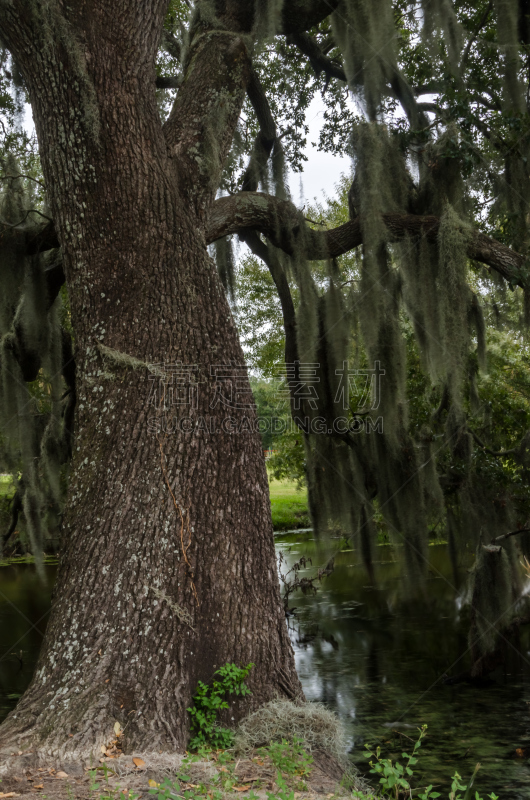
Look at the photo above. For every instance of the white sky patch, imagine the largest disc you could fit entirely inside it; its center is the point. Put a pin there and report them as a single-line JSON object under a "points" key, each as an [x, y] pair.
{"points": [[322, 170]]}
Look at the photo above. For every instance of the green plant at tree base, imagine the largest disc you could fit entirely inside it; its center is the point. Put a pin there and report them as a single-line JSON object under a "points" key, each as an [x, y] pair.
{"points": [[111, 792], [288, 756], [208, 701], [394, 777]]}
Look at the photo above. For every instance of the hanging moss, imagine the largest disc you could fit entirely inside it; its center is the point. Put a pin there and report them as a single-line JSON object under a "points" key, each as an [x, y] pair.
{"points": [[441, 14], [279, 171], [35, 439], [267, 18], [454, 295], [508, 33], [365, 33], [224, 257], [492, 605]]}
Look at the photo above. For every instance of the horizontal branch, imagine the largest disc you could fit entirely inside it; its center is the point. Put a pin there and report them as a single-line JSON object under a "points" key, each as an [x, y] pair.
{"points": [[507, 535], [282, 223]]}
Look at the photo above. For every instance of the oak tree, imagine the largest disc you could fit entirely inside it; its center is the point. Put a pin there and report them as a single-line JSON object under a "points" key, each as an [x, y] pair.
{"points": [[167, 558]]}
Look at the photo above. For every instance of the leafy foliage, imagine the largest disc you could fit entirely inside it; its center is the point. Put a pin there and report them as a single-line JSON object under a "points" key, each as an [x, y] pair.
{"points": [[395, 778], [289, 757], [209, 700]]}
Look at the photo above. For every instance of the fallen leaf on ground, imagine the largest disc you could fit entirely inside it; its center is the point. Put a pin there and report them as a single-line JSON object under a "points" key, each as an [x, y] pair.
{"points": [[103, 748], [117, 729], [241, 788], [9, 794], [62, 774], [153, 783], [138, 762], [39, 786]]}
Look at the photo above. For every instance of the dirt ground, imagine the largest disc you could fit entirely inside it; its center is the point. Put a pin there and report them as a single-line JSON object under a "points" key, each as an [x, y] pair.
{"points": [[125, 777]]}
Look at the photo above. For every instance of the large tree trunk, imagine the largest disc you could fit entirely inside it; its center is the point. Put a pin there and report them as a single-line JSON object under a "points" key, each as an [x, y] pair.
{"points": [[168, 568]]}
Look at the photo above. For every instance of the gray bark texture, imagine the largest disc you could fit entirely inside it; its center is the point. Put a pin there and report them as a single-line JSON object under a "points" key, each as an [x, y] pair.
{"points": [[168, 567]]}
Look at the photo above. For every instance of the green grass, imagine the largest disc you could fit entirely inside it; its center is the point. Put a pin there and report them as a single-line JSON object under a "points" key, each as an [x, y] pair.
{"points": [[288, 505]]}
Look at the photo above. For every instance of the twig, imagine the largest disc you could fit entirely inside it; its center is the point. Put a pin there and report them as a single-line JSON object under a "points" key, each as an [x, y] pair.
{"points": [[28, 177], [24, 218], [507, 535], [496, 453]]}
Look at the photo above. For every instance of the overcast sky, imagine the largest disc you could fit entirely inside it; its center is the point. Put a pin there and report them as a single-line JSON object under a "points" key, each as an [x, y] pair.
{"points": [[322, 170]]}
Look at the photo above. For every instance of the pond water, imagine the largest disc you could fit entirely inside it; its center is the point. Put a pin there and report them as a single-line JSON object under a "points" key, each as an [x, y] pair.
{"points": [[378, 661], [24, 608]]}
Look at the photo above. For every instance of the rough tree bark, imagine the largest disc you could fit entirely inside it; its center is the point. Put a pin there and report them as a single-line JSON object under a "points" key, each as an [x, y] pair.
{"points": [[168, 569]]}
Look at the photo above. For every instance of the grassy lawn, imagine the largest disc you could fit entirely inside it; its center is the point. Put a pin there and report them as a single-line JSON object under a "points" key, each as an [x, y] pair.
{"points": [[289, 506]]}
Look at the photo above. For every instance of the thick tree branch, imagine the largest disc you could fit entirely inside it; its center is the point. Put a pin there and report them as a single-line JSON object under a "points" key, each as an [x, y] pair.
{"points": [[201, 125], [275, 267], [266, 135], [286, 228], [403, 92], [320, 62], [301, 15], [260, 249], [260, 104], [300, 415]]}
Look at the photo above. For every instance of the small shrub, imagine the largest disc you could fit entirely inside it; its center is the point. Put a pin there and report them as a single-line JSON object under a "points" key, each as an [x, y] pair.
{"points": [[208, 701], [288, 757], [395, 778]]}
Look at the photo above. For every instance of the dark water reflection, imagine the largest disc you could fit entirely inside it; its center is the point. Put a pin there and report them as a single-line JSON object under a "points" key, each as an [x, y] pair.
{"points": [[378, 661], [370, 656], [24, 609]]}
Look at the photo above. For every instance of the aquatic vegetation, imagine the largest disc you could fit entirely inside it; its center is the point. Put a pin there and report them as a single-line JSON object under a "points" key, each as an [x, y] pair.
{"points": [[395, 778]]}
